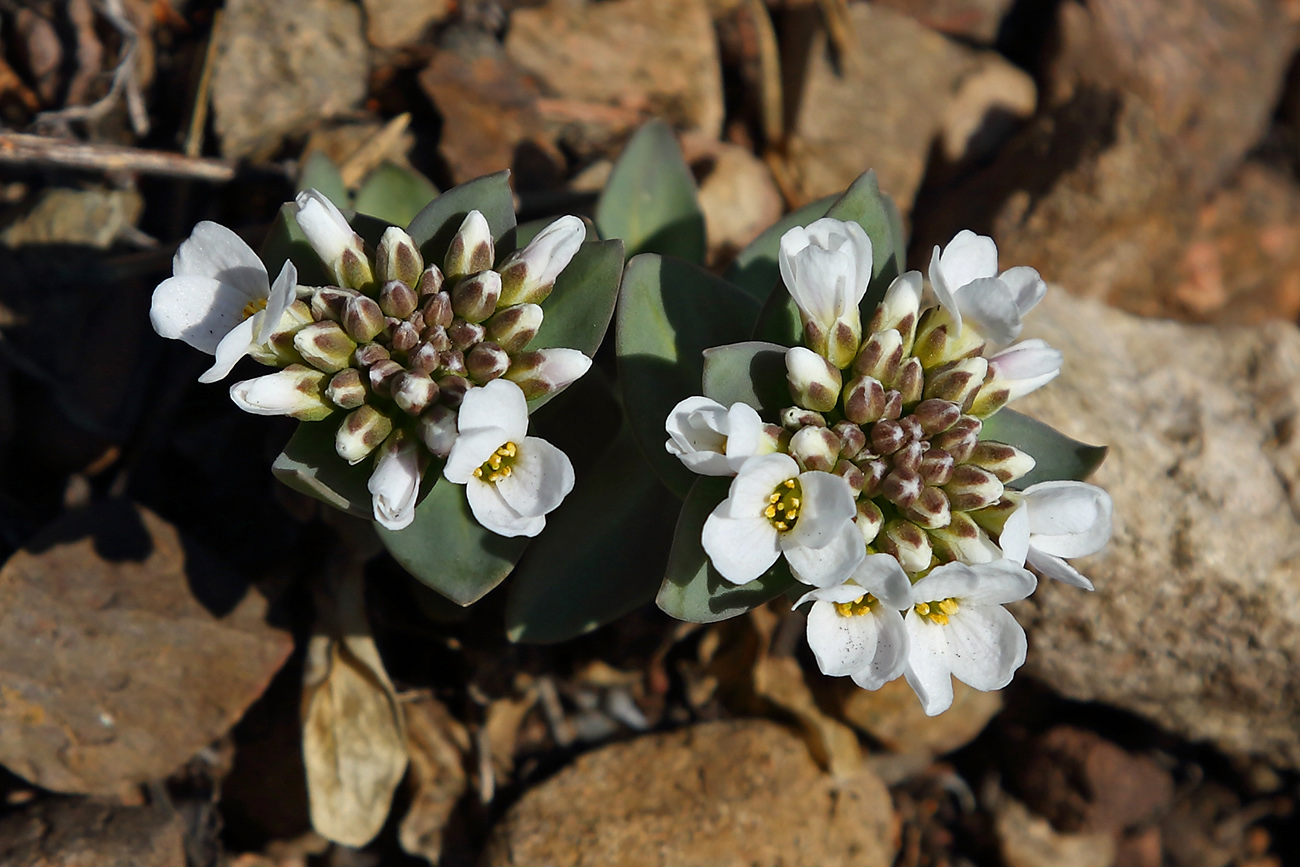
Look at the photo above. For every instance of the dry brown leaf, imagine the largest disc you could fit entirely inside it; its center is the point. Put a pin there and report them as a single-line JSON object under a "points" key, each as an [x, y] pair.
{"points": [[437, 744]]}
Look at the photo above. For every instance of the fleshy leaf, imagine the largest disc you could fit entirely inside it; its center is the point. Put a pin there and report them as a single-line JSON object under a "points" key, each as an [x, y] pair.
{"points": [[692, 589], [755, 268], [752, 372], [394, 194], [310, 465], [650, 199], [434, 227], [450, 551], [284, 242], [669, 312], [319, 173], [603, 552], [1057, 456]]}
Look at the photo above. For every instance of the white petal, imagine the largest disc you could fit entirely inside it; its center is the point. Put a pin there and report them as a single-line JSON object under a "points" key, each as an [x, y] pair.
{"points": [[997, 583], [968, 257], [540, 480], [214, 251], [276, 393], [559, 367], [891, 651], [944, 292], [552, 250], [741, 549], [1055, 567], [1014, 540], [1068, 519], [394, 485], [199, 310], [1026, 287], [233, 346], [985, 646], [470, 449], [499, 404], [884, 578], [827, 505], [758, 477], [281, 296], [830, 564], [744, 433], [987, 305], [326, 228], [842, 644], [927, 670], [495, 514]]}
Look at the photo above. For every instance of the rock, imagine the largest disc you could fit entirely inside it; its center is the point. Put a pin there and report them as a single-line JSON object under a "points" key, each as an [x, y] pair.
{"points": [[90, 218], [736, 193], [885, 108], [1195, 623], [1027, 840], [893, 716], [726, 793], [124, 650], [655, 57], [281, 66], [977, 20], [395, 23], [437, 744], [77, 832]]}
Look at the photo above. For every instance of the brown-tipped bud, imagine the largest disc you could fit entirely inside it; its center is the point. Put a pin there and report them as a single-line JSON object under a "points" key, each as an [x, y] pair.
{"points": [[936, 467], [437, 430], [404, 337], [413, 392], [993, 519], [899, 308], [794, 418], [325, 346], [346, 389], [893, 405], [329, 302], [354, 270], [437, 310], [436, 336], [815, 448], [908, 544], [529, 274], [361, 432], [880, 357], [486, 362], [852, 437], [910, 381], [963, 540], [397, 258], [546, 371], [912, 428], [901, 487], [869, 520], [475, 298], [452, 361], [972, 487], [471, 249], [381, 375], [397, 299], [370, 353], [452, 389], [465, 334], [864, 400], [363, 319], [936, 416], [960, 439], [958, 382], [431, 282], [874, 472], [423, 358], [814, 382], [514, 327], [887, 437], [849, 472], [992, 396], [930, 510], [909, 457], [938, 341], [1006, 462]]}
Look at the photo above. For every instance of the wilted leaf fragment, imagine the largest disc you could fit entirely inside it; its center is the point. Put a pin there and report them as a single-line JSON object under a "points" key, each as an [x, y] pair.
{"points": [[437, 743]]}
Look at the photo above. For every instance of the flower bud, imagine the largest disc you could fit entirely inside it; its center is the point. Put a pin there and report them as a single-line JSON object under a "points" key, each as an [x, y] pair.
{"points": [[340, 248], [485, 362], [381, 375], [936, 467], [278, 350], [935, 344], [972, 487], [546, 370], [528, 276], [361, 432], [346, 389], [930, 510], [899, 309], [907, 543], [852, 437], [887, 437], [849, 472], [452, 388], [1006, 462], [902, 487], [513, 328], [423, 358], [814, 382], [993, 518], [370, 353], [958, 382], [963, 540], [294, 391], [437, 430], [465, 334], [869, 520], [436, 336], [893, 405], [362, 319], [909, 457], [397, 258], [325, 346], [880, 357], [960, 439], [936, 416], [329, 302], [471, 249], [354, 270], [864, 400], [475, 298], [413, 392], [795, 417], [397, 299], [873, 472], [404, 337], [437, 309], [815, 448], [452, 361], [910, 382], [772, 438], [430, 283]]}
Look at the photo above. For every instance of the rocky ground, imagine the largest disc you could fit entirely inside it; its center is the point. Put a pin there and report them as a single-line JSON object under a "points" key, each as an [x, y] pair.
{"points": [[157, 584]]}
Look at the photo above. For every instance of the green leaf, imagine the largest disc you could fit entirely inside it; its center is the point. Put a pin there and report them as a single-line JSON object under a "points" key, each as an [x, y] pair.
{"points": [[603, 552], [450, 551], [394, 194], [668, 313], [435, 226], [752, 372], [285, 241], [650, 199], [310, 466], [1058, 456], [319, 173], [755, 268], [692, 589]]}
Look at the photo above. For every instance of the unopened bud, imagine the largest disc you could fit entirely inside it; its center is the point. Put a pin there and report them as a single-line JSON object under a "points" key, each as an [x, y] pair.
{"points": [[993, 518], [963, 540], [452, 361], [794, 418], [958, 382], [902, 487], [930, 510], [436, 336], [431, 282], [887, 437], [340, 248], [397, 258], [423, 358], [960, 439], [910, 382], [815, 448], [936, 341], [1006, 462], [370, 353], [362, 319], [908, 544], [413, 392], [972, 487], [381, 375], [849, 472], [278, 350], [361, 432], [880, 357], [864, 399], [465, 334], [874, 472], [294, 391], [936, 416], [852, 437], [936, 467], [814, 382], [893, 404], [909, 457], [452, 389], [437, 310], [514, 327], [475, 298], [354, 270], [900, 307], [404, 337], [528, 276], [325, 346], [546, 370], [869, 520], [397, 299], [330, 302], [437, 430], [346, 389], [772, 438], [471, 249], [485, 362]]}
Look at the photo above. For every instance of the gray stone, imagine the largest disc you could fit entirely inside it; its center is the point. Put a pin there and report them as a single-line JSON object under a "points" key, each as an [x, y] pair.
{"points": [[1195, 623], [281, 66], [394, 23], [92, 218]]}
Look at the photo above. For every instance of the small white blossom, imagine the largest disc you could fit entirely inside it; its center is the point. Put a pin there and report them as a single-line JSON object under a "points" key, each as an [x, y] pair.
{"points": [[395, 482], [958, 628], [294, 391], [1058, 520], [219, 299], [772, 509], [512, 480], [855, 628], [711, 439], [966, 280], [529, 274], [826, 268], [1025, 367]]}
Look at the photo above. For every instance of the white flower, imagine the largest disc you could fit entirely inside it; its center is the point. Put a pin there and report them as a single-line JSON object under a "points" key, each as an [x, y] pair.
{"points": [[511, 480], [529, 274], [710, 439], [219, 299], [826, 268], [772, 509], [958, 628], [966, 280], [1057, 520], [545, 371], [294, 391], [395, 482], [855, 628]]}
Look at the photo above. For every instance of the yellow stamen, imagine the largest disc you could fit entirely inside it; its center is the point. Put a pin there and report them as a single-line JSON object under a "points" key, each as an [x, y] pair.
{"points": [[864, 604], [770, 511], [783, 505], [499, 465], [252, 307], [938, 611]]}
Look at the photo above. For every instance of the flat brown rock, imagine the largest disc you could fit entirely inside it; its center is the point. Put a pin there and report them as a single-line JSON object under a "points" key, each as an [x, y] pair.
{"points": [[79, 833], [723, 794]]}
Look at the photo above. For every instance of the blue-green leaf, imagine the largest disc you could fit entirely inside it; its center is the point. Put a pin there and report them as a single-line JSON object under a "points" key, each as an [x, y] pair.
{"points": [[752, 372], [450, 551], [650, 199], [319, 173], [755, 268], [394, 194], [434, 227], [692, 589], [668, 313], [1057, 456], [310, 466], [581, 305]]}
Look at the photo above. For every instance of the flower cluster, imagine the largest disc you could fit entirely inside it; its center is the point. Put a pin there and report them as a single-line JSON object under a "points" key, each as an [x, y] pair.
{"points": [[413, 360], [875, 485]]}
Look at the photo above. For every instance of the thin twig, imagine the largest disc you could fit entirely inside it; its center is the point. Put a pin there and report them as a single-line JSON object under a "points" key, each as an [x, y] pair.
{"points": [[367, 158], [35, 150], [199, 113]]}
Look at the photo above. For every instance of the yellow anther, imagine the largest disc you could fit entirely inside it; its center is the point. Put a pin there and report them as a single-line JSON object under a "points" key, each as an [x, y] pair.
{"points": [[775, 498], [794, 502], [791, 514], [923, 608], [478, 472], [252, 307], [937, 611], [782, 526], [864, 604], [789, 483], [505, 472], [948, 606], [495, 462], [499, 465], [770, 511], [507, 451]]}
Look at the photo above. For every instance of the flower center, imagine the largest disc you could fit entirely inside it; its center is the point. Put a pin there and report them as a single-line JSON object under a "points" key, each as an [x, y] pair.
{"points": [[783, 505], [499, 466], [937, 612], [253, 307], [864, 604]]}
